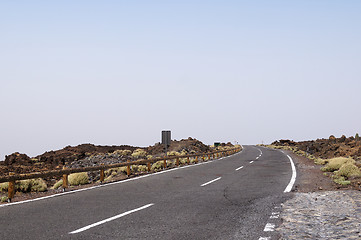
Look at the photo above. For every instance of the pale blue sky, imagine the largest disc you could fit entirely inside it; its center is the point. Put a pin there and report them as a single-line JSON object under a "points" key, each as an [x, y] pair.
{"points": [[119, 72]]}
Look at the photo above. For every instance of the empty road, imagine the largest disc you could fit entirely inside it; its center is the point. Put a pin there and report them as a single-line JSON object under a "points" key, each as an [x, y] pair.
{"points": [[236, 197]]}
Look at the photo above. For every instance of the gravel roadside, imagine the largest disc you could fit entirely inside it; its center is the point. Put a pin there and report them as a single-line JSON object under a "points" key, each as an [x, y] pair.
{"points": [[322, 215], [320, 208]]}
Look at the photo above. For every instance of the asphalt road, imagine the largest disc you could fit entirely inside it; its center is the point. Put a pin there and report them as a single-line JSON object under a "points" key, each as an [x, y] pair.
{"points": [[236, 197]]}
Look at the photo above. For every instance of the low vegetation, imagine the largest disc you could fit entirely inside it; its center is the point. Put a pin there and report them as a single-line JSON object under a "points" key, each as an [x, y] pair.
{"points": [[74, 179], [138, 153], [341, 169], [123, 152], [30, 185], [335, 164], [4, 199]]}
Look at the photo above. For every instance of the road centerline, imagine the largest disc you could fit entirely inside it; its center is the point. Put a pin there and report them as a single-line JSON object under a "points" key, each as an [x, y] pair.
{"points": [[205, 184], [239, 168], [110, 219]]}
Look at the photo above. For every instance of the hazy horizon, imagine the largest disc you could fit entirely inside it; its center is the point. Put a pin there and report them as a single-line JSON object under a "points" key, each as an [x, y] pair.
{"points": [[119, 72]]}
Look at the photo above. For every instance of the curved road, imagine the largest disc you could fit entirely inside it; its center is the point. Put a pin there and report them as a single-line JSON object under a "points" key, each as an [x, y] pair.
{"points": [[236, 197]]}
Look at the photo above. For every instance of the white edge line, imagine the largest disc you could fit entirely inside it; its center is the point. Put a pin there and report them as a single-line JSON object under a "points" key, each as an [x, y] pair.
{"points": [[108, 184], [239, 168], [204, 184], [293, 178], [110, 219]]}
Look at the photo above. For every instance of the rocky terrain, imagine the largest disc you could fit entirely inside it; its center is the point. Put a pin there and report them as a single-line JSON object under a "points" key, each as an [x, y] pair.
{"points": [[90, 155], [327, 148]]}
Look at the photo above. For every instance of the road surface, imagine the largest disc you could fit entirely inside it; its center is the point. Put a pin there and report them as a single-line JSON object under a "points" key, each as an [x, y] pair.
{"points": [[236, 197]]}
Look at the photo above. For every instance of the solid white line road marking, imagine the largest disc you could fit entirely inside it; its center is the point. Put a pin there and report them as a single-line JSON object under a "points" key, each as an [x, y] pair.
{"points": [[204, 184], [260, 151], [270, 227], [293, 178], [110, 219], [251, 162], [239, 168]]}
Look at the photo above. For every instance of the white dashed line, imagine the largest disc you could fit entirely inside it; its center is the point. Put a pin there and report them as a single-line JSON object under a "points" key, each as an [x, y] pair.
{"points": [[110, 219], [270, 227], [275, 215], [257, 157], [251, 162], [264, 238], [239, 168], [204, 184]]}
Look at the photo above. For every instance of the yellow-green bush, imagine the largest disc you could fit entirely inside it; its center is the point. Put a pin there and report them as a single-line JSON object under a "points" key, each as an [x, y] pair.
{"points": [[334, 164], [123, 152], [183, 160], [76, 179], [193, 160], [57, 184], [142, 168], [29, 185], [4, 186], [349, 170], [139, 153], [341, 181], [37, 185], [114, 171], [4, 199], [122, 169], [173, 153], [320, 161], [157, 166]]}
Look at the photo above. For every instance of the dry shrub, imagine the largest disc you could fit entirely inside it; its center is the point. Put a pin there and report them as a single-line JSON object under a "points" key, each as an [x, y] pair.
{"points": [[4, 186], [349, 170], [76, 179], [123, 152], [341, 181], [139, 153], [29, 185], [173, 153], [334, 164], [142, 168], [320, 161], [37, 185], [157, 166], [4, 199], [57, 184], [183, 160]]}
